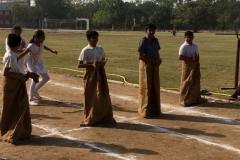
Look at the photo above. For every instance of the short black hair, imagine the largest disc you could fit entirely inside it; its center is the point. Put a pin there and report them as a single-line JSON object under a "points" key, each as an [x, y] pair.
{"points": [[150, 26], [91, 33], [13, 40], [188, 33], [16, 28]]}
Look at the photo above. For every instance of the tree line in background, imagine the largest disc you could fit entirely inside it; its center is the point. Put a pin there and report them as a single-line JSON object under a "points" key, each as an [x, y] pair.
{"points": [[119, 15]]}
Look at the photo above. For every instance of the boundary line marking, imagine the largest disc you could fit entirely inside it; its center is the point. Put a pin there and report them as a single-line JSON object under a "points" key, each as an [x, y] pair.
{"points": [[167, 106], [108, 152]]}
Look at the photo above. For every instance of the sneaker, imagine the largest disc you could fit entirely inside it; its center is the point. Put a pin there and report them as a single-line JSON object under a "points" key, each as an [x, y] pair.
{"points": [[37, 95], [32, 103]]}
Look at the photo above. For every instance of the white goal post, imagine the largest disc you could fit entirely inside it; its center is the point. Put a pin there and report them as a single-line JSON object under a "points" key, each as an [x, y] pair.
{"points": [[69, 24]]}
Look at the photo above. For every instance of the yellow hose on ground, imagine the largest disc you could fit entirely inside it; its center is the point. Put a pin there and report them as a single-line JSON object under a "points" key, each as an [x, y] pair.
{"points": [[125, 81]]}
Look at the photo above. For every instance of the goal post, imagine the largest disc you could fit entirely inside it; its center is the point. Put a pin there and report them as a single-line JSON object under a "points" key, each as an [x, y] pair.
{"points": [[67, 24]]}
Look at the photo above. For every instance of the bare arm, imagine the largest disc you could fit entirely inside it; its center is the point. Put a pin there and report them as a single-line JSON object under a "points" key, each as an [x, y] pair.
{"points": [[48, 49], [23, 53], [83, 65], [148, 59], [8, 74]]}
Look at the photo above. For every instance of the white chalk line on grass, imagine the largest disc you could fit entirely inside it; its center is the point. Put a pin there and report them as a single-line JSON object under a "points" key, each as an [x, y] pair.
{"points": [[65, 85], [184, 110], [67, 103], [54, 131], [163, 130], [188, 111], [227, 120], [81, 89], [67, 131], [163, 105], [108, 152]]}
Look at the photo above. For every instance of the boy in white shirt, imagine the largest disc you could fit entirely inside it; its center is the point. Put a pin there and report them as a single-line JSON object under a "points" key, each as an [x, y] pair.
{"points": [[190, 78], [18, 30], [15, 122], [97, 102]]}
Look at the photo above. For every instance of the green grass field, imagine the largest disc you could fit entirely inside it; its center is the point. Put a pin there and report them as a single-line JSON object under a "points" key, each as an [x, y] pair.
{"points": [[217, 55]]}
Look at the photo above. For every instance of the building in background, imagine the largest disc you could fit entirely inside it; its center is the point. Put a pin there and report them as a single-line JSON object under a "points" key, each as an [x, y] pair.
{"points": [[6, 19]]}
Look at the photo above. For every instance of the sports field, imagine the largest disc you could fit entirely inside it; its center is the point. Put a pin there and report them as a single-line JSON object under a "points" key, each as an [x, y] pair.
{"points": [[208, 131], [217, 55]]}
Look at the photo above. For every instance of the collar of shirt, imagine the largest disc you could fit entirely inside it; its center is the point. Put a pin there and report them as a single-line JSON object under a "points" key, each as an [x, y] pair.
{"points": [[150, 39], [89, 46], [188, 43]]}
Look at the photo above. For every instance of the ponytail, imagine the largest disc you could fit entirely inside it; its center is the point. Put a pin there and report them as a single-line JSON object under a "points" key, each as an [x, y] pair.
{"points": [[32, 40], [37, 34]]}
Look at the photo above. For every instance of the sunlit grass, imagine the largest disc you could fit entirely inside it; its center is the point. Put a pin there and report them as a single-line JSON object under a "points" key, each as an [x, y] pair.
{"points": [[217, 55]]}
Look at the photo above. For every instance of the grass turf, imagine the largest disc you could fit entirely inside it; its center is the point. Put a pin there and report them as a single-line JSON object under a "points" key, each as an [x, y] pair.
{"points": [[217, 55]]}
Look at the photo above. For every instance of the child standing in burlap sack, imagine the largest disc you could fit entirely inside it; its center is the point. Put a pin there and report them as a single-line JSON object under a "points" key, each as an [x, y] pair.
{"points": [[149, 83], [190, 79], [97, 102], [15, 122]]}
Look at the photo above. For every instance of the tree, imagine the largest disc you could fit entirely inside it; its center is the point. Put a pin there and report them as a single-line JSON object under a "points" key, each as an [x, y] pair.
{"points": [[227, 12], [116, 9], [21, 12], [194, 13], [102, 18], [53, 9], [162, 17], [133, 16]]}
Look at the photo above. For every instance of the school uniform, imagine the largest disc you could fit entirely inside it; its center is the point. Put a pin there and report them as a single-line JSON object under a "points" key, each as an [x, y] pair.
{"points": [[15, 122], [149, 82], [21, 62], [35, 64], [190, 77], [34, 59], [97, 102]]}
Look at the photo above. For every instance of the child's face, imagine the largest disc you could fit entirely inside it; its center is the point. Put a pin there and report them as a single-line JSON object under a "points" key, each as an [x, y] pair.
{"points": [[150, 32], [93, 41], [17, 31], [189, 39], [40, 39]]}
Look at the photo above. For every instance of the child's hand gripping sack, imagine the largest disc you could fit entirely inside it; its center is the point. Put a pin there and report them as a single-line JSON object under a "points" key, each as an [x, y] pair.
{"points": [[34, 76]]}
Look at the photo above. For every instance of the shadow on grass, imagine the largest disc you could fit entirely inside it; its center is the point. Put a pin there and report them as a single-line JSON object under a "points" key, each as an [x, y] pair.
{"points": [[200, 119], [220, 105], [59, 104], [155, 129], [37, 116], [77, 105], [120, 109], [93, 146]]}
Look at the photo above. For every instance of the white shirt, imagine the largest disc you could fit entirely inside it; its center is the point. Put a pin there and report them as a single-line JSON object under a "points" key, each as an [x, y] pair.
{"points": [[35, 54], [10, 61], [91, 54], [21, 64], [188, 50]]}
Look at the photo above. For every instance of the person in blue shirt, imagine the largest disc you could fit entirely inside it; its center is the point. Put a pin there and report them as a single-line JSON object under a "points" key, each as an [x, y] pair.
{"points": [[149, 83]]}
